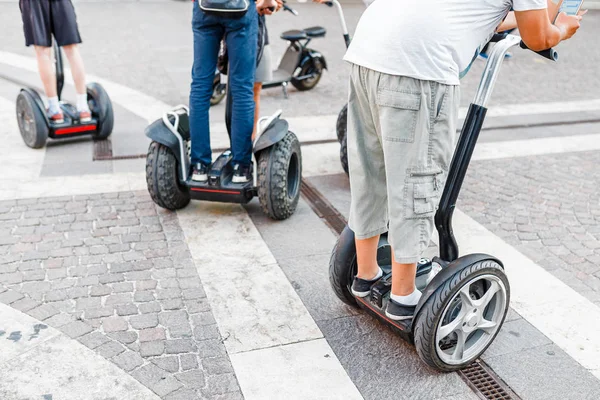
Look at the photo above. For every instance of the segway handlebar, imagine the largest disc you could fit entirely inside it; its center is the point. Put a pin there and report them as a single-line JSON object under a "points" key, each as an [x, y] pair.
{"points": [[289, 9], [340, 11], [492, 68]]}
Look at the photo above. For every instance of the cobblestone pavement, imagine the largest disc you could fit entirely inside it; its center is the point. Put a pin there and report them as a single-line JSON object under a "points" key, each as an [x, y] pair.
{"points": [[548, 208], [115, 273]]}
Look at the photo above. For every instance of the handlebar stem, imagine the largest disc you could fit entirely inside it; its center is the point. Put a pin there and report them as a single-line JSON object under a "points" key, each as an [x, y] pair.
{"points": [[492, 69]]}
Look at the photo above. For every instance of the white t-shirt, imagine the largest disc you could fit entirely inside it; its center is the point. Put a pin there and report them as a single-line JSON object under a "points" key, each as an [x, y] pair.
{"points": [[434, 40]]}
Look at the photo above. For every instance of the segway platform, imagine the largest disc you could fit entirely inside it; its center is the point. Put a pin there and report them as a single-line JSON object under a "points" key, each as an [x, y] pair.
{"points": [[72, 126], [219, 186]]}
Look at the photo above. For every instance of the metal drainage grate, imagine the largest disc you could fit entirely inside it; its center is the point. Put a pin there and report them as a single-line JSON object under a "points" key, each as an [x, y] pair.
{"points": [[323, 208], [485, 383], [103, 152], [478, 376]]}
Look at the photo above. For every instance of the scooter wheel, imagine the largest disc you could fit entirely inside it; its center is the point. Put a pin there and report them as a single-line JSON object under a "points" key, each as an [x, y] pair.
{"points": [[310, 67], [219, 91], [279, 177], [162, 177], [343, 267], [341, 126], [101, 108], [462, 318], [32, 122], [344, 154]]}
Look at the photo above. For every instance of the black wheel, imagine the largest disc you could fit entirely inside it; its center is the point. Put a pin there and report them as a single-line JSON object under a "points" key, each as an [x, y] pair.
{"points": [[343, 267], [162, 177], [459, 322], [279, 177], [101, 108], [312, 67], [342, 124], [344, 154], [32, 123], [219, 91]]}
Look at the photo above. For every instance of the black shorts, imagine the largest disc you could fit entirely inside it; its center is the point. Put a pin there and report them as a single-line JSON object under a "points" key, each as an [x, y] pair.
{"points": [[43, 19]]}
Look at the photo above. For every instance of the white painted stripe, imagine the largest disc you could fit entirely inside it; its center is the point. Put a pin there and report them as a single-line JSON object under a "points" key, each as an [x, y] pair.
{"points": [[559, 312], [314, 373]]}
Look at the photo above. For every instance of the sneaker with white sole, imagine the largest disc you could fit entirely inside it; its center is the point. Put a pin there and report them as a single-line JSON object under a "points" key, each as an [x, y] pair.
{"points": [[241, 173], [362, 287], [399, 312], [199, 173]]}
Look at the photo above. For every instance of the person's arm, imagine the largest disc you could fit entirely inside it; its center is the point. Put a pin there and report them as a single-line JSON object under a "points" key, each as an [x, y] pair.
{"points": [[264, 4], [510, 22], [539, 34]]}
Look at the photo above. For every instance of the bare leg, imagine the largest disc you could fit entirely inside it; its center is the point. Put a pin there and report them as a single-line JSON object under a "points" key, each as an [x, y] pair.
{"points": [[366, 256], [77, 67], [403, 278], [46, 68], [257, 90]]}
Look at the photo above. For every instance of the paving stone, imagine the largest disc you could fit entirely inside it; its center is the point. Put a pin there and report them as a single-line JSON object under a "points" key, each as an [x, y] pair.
{"points": [[93, 340], [195, 293], [187, 273], [154, 348], [121, 298], [238, 396], [122, 287], [57, 273], [166, 386], [43, 312], [110, 349], [87, 303], [143, 296], [127, 309], [124, 337], [172, 304], [197, 306], [100, 290], [138, 275], [111, 278], [152, 334], [217, 365], [87, 281], [182, 394], [211, 348], [128, 360], [101, 312], [165, 273], [188, 361], [169, 363], [151, 307], [179, 346], [206, 332], [145, 285], [11, 278], [59, 320], [114, 324], [121, 267], [77, 292], [220, 384], [25, 304], [193, 379], [99, 269], [76, 329], [144, 321], [205, 318], [169, 283], [56, 295]]}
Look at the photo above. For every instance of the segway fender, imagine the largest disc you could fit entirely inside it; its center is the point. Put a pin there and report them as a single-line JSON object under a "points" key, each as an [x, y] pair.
{"points": [[274, 133], [310, 55], [158, 132], [38, 102], [447, 272]]}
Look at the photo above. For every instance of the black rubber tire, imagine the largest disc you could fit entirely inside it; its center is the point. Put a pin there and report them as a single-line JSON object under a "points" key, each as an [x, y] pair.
{"points": [[342, 268], [428, 320], [32, 123], [162, 178], [311, 66], [341, 127], [102, 109], [280, 177], [216, 98], [344, 154]]}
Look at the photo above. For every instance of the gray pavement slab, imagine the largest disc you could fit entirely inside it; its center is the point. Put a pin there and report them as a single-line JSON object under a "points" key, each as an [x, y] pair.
{"points": [[545, 373]]}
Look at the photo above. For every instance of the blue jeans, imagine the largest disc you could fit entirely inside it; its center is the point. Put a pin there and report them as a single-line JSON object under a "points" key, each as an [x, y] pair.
{"points": [[241, 36]]}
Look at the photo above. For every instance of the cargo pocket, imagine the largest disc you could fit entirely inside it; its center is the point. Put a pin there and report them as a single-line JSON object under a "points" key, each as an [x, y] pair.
{"points": [[423, 193], [398, 113]]}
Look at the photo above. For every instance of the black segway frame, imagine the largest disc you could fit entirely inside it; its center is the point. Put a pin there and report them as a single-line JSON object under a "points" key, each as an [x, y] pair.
{"points": [[447, 313], [36, 127]]}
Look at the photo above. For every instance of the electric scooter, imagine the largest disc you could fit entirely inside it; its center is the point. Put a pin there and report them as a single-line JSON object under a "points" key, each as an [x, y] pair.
{"points": [[465, 299], [36, 127], [276, 160]]}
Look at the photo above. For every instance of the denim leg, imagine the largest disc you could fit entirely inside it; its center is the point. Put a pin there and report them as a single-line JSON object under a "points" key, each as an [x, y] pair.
{"points": [[242, 37], [207, 36]]}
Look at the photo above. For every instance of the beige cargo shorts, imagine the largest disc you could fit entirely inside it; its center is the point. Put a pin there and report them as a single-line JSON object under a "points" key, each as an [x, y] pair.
{"points": [[401, 138]]}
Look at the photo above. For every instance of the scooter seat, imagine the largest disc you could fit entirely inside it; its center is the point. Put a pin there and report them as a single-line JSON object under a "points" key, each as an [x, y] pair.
{"points": [[315, 31], [294, 35]]}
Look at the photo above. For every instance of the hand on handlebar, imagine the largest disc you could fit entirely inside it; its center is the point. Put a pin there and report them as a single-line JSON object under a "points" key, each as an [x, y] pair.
{"points": [[266, 7], [569, 24]]}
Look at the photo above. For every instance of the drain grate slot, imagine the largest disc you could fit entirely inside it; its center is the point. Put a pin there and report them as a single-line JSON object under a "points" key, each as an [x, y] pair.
{"points": [[323, 208], [478, 376], [103, 152], [485, 383]]}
